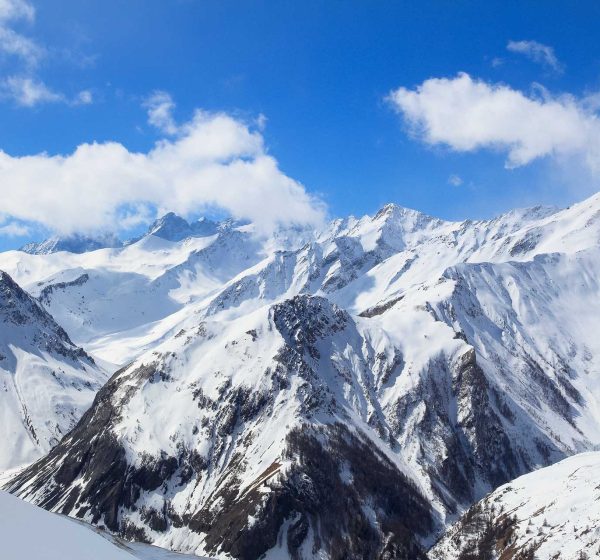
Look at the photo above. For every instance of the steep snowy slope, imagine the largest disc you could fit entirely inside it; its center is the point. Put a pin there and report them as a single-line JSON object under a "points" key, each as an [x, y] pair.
{"points": [[530, 395], [28, 532], [550, 513], [46, 382], [236, 438]]}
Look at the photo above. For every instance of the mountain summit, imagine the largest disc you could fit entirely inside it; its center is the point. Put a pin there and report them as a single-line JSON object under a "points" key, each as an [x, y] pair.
{"points": [[174, 228]]}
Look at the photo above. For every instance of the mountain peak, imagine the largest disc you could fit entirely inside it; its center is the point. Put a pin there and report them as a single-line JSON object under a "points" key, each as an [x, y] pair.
{"points": [[74, 243], [173, 227], [396, 212]]}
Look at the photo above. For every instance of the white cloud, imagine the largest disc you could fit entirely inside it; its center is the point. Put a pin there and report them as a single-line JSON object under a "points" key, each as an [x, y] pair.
{"points": [[13, 43], [455, 181], [24, 87], [15, 10], [538, 52], [28, 92], [84, 97], [467, 115], [13, 229], [160, 107], [215, 161]]}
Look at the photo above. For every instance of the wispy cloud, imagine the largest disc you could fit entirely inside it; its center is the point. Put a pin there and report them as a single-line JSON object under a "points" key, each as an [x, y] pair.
{"points": [[538, 52], [13, 43], [466, 115], [455, 180], [28, 92], [24, 86], [160, 106], [84, 97], [14, 229], [214, 160], [16, 9]]}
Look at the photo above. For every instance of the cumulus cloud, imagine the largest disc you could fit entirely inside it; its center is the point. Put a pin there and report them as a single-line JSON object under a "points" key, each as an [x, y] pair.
{"points": [[465, 115], [215, 161], [538, 52], [160, 107]]}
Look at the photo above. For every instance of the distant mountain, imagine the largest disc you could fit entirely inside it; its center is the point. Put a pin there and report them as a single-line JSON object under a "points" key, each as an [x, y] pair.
{"points": [[549, 513], [174, 228], [46, 381], [170, 227], [73, 244]]}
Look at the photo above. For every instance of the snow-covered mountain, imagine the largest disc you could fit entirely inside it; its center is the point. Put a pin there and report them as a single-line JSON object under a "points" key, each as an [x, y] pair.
{"points": [[291, 395], [46, 381], [175, 228], [239, 437], [75, 243], [550, 513]]}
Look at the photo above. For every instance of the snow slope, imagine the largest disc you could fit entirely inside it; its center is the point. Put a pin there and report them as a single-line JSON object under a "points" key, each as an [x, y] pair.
{"points": [[550, 513], [46, 382], [28, 532]]}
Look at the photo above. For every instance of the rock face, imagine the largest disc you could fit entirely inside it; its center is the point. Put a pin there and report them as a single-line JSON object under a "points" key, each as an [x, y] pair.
{"points": [[47, 382], [346, 397], [549, 513]]}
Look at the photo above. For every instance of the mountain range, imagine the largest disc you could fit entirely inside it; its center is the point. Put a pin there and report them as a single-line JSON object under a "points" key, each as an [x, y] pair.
{"points": [[364, 391]]}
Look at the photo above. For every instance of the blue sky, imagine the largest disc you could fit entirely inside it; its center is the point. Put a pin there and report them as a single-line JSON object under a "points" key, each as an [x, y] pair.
{"points": [[311, 82]]}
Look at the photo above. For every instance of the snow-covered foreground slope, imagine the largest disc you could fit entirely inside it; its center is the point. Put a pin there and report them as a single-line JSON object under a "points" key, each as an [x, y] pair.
{"points": [[46, 382], [30, 533], [552, 513], [348, 397]]}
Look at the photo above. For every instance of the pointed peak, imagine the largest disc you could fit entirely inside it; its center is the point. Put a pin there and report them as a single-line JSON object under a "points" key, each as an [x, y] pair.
{"points": [[407, 219], [173, 227], [393, 210]]}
